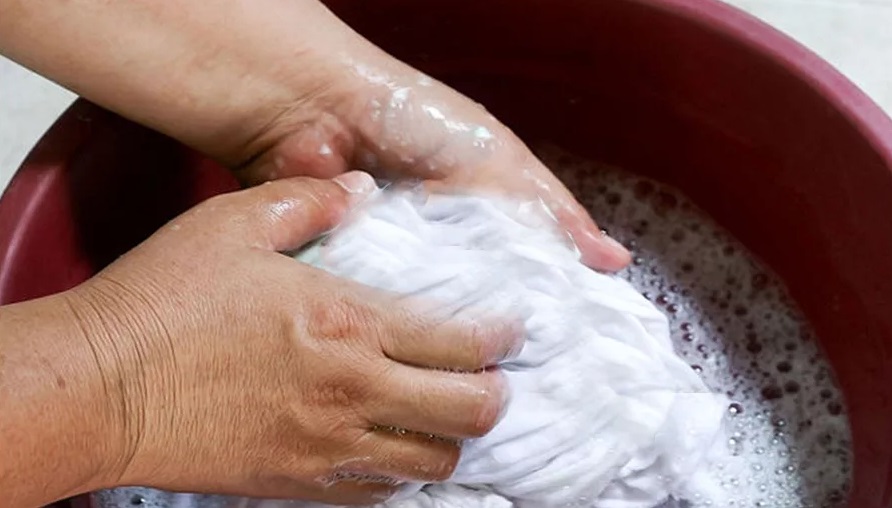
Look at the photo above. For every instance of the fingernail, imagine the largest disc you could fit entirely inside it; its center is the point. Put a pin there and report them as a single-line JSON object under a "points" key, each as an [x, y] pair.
{"points": [[356, 182]]}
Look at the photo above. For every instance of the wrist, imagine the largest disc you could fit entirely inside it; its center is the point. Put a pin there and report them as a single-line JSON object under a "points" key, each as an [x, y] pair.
{"points": [[59, 424], [108, 330]]}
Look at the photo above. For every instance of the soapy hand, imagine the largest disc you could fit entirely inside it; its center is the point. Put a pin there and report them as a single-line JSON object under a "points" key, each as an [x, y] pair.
{"points": [[395, 122], [235, 369], [284, 88]]}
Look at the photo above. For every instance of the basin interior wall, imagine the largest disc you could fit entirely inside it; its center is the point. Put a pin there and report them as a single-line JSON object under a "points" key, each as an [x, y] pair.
{"points": [[770, 141]]}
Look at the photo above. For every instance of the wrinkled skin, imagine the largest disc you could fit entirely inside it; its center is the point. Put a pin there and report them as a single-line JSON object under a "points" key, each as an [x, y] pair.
{"points": [[298, 375], [205, 360]]}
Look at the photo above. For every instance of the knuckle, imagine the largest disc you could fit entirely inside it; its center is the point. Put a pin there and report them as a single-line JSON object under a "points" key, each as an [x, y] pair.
{"points": [[341, 322], [343, 391]]}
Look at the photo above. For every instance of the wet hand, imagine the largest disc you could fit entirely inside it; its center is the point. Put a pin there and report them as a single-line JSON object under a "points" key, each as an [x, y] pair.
{"points": [[232, 368], [372, 112]]}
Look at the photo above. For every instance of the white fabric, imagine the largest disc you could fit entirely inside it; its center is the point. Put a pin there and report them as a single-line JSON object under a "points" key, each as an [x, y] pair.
{"points": [[603, 414]]}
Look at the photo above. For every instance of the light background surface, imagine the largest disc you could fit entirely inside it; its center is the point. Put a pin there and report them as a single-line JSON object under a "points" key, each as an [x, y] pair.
{"points": [[853, 35]]}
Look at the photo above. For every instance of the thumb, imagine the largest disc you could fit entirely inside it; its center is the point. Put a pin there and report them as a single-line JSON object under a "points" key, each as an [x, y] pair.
{"points": [[285, 214]]}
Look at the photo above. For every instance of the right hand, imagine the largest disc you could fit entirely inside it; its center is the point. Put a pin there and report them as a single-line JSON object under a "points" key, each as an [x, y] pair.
{"points": [[231, 368]]}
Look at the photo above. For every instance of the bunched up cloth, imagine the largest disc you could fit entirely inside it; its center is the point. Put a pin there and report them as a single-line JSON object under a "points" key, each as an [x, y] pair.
{"points": [[603, 414]]}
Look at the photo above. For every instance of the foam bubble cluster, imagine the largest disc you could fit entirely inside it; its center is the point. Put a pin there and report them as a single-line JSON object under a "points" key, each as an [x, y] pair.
{"points": [[734, 324]]}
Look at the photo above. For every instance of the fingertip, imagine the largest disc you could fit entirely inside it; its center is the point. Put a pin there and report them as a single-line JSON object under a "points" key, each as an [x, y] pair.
{"points": [[494, 410], [601, 252], [509, 340], [358, 185], [505, 397], [597, 249]]}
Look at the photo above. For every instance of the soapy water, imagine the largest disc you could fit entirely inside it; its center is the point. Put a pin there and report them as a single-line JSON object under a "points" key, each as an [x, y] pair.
{"points": [[731, 320]]}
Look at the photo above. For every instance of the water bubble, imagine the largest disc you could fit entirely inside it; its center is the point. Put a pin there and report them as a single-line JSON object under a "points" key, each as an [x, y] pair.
{"points": [[772, 392], [791, 387], [696, 266]]}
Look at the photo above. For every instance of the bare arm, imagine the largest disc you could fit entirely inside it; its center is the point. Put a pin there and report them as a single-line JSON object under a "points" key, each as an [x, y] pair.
{"points": [[286, 86], [57, 429], [206, 73], [161, 372]]}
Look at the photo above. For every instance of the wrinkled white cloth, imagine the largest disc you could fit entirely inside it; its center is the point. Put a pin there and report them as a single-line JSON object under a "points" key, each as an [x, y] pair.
{"points": [[603, 413]]}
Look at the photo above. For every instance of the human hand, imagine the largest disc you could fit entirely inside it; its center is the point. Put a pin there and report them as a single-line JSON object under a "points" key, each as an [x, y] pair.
{"points": [[380, 115], [282, 88], [235, 369]]}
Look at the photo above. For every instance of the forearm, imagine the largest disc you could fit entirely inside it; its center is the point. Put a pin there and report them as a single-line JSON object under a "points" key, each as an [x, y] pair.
{"points": [[203, 72], [56, 419]]}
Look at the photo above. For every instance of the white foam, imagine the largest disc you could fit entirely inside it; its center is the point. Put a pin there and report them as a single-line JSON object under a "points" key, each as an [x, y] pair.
{"points": [[732, 322]]}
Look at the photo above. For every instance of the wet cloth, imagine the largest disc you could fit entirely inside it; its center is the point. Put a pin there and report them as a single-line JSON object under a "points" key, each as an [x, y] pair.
{"points": [[602, 414]]}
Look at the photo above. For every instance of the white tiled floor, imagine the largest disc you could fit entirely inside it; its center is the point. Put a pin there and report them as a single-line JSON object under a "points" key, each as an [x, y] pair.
{"points": [[854, 35]]}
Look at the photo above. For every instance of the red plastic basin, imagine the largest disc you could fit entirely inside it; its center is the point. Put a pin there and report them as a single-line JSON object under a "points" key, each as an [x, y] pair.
{"points": [[770, 140]]}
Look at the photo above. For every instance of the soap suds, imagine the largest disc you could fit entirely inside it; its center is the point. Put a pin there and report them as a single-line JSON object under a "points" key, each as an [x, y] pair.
{"points": [[732, 321]]}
